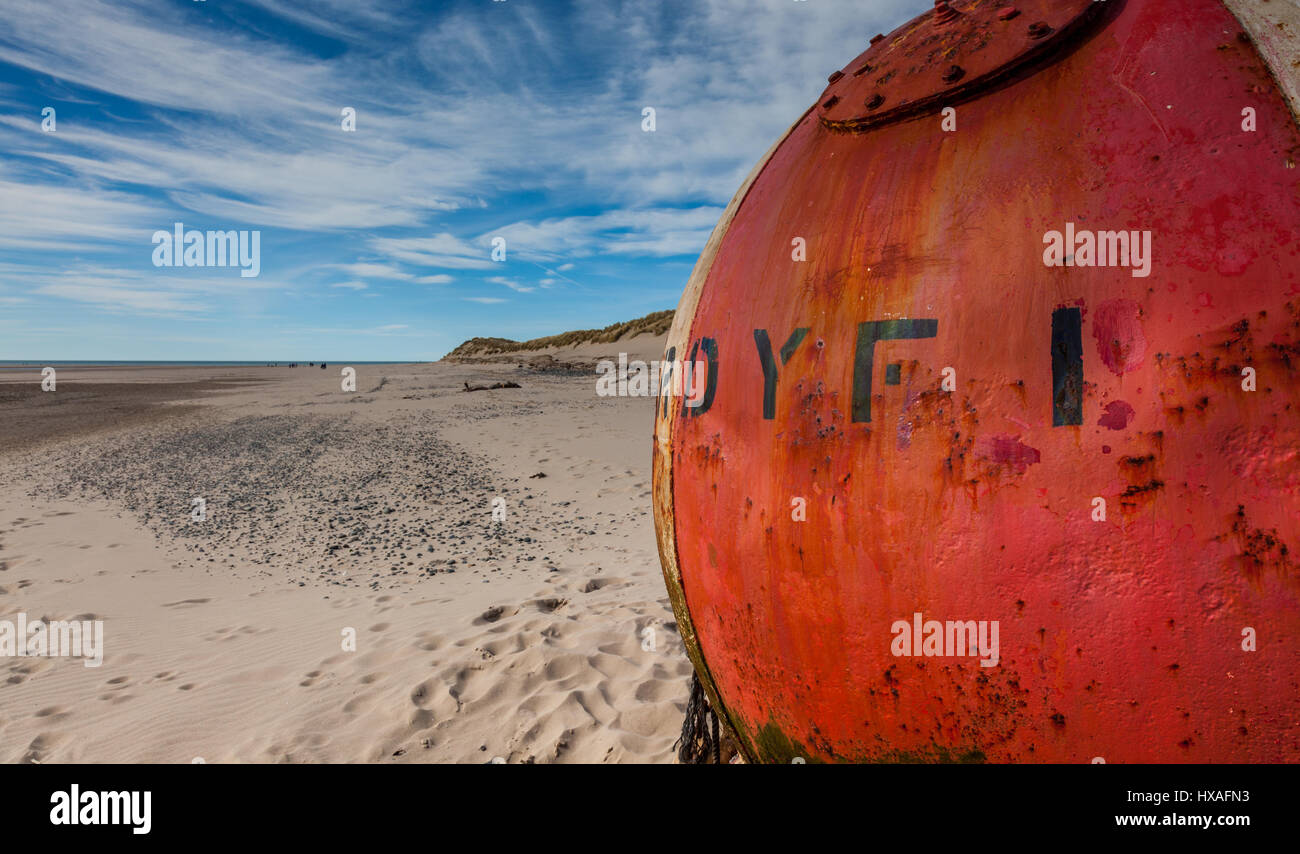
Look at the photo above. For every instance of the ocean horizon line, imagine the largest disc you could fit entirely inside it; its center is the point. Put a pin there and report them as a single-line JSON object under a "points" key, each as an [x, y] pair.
{"points": [[217, 363]]}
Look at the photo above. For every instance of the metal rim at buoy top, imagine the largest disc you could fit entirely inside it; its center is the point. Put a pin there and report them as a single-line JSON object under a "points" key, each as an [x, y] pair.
{"points": [[949, 55], [960, 51]]}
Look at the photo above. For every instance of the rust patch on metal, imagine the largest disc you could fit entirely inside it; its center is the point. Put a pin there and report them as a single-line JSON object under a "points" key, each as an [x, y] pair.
{"points": [[1260, 550]]}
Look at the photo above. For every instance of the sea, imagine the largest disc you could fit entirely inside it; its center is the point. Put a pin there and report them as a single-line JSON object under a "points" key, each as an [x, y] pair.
{"points": [[122, 363], [10, 366]]}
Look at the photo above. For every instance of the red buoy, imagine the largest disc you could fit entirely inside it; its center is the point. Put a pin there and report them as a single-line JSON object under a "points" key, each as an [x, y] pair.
{"points": [[999, 453]]}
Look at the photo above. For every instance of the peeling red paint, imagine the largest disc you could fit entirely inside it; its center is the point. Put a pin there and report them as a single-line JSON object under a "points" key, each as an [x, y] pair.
{"points": [[1121, 343], [1118, 415], [1013, 452]]}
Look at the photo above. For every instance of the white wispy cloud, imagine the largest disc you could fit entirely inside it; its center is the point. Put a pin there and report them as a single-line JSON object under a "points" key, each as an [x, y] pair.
{"points": [[644, 232], [371, 270], [511, 284], [441, 250], [145, 291], [460, 110]]}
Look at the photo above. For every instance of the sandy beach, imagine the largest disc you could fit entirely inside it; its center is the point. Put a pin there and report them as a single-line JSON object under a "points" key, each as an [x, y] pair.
{"points": [[543, 636]]}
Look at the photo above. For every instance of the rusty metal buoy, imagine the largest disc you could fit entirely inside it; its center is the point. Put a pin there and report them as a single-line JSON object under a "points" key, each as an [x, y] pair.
{"points": [[999, 453]]}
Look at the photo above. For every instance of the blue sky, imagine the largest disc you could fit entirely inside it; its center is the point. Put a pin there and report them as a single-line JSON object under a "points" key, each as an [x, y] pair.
{"points": [[474, 119]]}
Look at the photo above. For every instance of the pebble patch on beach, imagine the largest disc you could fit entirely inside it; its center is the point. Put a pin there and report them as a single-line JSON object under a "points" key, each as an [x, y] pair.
{"points": [[315, 499]]}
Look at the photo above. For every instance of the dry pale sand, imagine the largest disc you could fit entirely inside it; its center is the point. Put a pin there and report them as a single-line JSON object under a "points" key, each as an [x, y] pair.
{"points": [[544, 638]]}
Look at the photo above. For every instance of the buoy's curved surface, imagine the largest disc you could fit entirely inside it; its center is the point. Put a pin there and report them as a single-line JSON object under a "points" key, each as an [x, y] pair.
{"points": [[932, 400]]}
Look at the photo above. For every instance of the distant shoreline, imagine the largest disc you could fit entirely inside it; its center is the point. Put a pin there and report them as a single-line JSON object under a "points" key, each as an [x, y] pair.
{"points": [[12, 364]]}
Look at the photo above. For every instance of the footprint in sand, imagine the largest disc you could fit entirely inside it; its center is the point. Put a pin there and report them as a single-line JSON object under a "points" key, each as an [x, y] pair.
{"points": [[314, 739], [496, 612], [656, 691], [514, 643], [422, 694], [564, 666], [428, 641], [358, 704], [40, 746]]}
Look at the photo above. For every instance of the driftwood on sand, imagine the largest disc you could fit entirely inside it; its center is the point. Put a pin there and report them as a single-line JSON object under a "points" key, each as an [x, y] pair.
{"points": [[469, 387]]}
